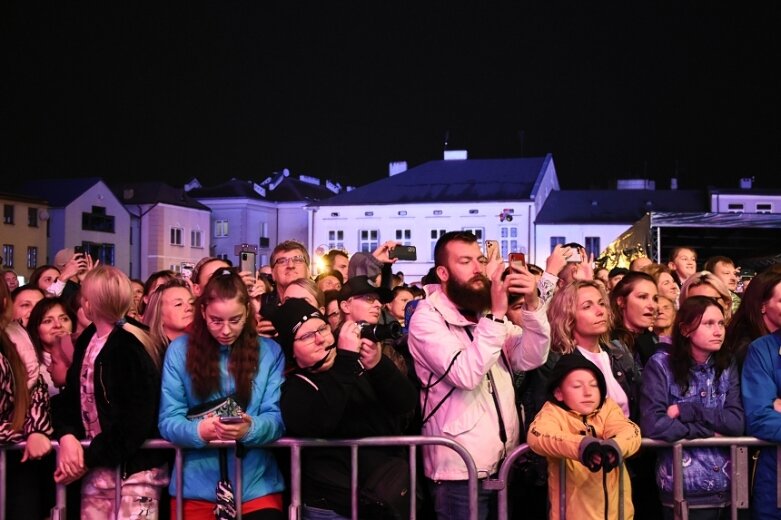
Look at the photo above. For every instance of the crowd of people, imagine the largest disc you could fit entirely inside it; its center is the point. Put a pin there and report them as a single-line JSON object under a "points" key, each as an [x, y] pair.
{"points": [[579, 362]]}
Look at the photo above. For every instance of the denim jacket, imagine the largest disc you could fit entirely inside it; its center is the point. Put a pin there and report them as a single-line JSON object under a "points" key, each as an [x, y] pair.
{"points": [[707, 407]]}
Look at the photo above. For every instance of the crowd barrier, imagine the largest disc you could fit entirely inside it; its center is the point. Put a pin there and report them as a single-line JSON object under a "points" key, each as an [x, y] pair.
{"points": [[295, 446], [739, 471]]}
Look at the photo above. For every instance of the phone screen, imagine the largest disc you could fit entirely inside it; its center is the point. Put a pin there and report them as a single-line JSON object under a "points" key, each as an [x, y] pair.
{"points": [[517, 261]]}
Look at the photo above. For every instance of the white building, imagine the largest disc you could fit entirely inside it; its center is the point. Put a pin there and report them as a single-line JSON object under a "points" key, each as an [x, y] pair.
{"points": [[85, 212], [494, 198]]}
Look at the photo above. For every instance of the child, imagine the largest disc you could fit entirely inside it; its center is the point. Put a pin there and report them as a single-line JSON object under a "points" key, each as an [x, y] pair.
{"points": [[580, 424]]}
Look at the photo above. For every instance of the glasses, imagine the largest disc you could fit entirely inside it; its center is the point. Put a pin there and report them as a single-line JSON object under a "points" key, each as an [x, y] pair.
{"points": [[309, 337], [368, 298], [296, 260], [218, 323], [332, 314]]}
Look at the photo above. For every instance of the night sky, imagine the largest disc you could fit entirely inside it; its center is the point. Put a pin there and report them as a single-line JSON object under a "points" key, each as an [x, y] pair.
{"points": [[242, 89]]}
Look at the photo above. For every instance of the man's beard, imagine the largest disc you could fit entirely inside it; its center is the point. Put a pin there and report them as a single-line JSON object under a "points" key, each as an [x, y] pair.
{"points": [[465, 296]]}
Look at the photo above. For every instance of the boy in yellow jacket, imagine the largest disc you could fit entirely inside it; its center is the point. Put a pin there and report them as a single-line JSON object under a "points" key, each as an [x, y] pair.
{"points": [[580, 424]]}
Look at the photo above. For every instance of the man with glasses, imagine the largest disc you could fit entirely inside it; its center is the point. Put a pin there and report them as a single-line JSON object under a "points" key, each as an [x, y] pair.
{"points": [[289, 262], [361, 301]]}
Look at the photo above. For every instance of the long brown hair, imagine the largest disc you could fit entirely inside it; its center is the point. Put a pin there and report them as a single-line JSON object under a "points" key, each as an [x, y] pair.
{"points": [[687, 320], [21, 398], [203, 352], [622, 290], [748, 323]]}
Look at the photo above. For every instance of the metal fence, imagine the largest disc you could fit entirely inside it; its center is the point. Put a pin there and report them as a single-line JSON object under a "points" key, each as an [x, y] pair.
{"points": [[295, 446]]}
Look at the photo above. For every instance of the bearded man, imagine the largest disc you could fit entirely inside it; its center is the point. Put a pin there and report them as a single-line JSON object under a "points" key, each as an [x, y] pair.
{"points": [[464, 358]]}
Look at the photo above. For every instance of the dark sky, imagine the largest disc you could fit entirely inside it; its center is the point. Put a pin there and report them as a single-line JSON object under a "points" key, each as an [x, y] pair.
{"points": [[222, 89]]}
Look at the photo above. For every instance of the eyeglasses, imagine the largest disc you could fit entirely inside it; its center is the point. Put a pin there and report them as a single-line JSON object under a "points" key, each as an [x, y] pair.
{"points": [[368, 298], [218, 323], [296, 260], [332, 314], [309, 337]]}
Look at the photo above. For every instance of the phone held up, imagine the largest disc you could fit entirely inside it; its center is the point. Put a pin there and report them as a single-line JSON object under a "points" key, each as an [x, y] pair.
{"points": [[403, 253], [517, 261], [247, 262], [492, 250]]}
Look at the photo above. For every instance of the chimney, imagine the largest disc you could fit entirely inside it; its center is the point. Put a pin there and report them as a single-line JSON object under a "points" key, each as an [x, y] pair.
{"points": [[396, 167], [673, 183], [746, 183]]}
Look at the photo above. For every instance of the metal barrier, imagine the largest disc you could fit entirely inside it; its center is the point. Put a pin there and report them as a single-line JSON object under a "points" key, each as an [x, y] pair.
{"points": [[295, 446], [739, 474]]}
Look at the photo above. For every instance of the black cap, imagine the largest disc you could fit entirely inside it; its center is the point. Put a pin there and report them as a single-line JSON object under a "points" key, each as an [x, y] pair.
{"points": [[566, 364], [288, 318], [360, 285]]}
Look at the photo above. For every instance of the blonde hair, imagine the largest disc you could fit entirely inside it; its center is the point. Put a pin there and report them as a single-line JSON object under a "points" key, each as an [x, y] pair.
{"points": [[561, 315], [153, 317], [110, 295], [311, 287], [708, 278]]}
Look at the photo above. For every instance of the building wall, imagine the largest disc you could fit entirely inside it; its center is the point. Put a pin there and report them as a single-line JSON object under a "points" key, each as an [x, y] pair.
{"points": [[293, 222], [67, 229], [159, 252], [22, 236], [745, 203], [575, 233], [420, 225]]}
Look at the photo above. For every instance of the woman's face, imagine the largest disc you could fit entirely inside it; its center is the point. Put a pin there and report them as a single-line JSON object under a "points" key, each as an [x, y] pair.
{"points": [[667, 287], [709, 335], [639, 306], [771, 310], [590, 316], [55, 323], [11, 281], [176, 309], [225, 319], [399, 303], [24, 303], [138, 293], [333, 314], [47, 278], [296, 291], [312, 343]]}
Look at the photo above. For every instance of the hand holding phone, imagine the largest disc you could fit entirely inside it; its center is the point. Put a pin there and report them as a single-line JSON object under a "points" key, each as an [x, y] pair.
{"points": [[403, 253], [492, 250], [232, 419], [517, 261]]}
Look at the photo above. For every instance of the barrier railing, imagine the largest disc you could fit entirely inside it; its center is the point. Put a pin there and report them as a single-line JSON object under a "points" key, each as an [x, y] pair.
{"points": [[295, 446]]}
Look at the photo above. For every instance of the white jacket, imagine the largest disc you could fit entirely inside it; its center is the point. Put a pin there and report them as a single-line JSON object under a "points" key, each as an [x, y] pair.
{"points": [[468, 416]]}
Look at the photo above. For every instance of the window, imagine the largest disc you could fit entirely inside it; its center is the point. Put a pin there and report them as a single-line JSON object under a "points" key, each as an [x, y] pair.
{"points": [[335, 239], [196, 238], [735, 208], [404, 236], [555, 241], [32, 217], [592, 246], [32, 257], [8, 256], [102, 252], [508, 240], [764, 208], [220, 228], [478, 233], [435, 234], [368, 240], [8, 214], [176, 236], [97, 220]]}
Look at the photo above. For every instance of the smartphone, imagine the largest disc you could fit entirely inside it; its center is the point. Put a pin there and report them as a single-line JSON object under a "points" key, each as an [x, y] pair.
{"points": [[79, 250], [232, 419], [186, 270], [403, 253], [575, 258], [247, 262], [517, 261], [492, 249]]}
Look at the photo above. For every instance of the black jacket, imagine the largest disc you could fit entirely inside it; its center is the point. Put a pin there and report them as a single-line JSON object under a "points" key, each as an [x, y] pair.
{"points": [[127, 393]]}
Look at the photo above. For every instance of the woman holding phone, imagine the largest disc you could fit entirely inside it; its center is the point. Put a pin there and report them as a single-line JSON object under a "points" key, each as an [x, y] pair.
{"points": [[222, 382]]}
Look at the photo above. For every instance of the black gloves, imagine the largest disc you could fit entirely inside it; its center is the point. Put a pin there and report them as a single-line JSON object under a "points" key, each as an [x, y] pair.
{"points": [[596, 454]]}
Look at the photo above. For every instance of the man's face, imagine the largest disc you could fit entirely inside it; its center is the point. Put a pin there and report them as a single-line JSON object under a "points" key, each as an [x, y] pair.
{"points": [[463, 276], [365, 307], [727, 273], [288, 266], [340, 264]]}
